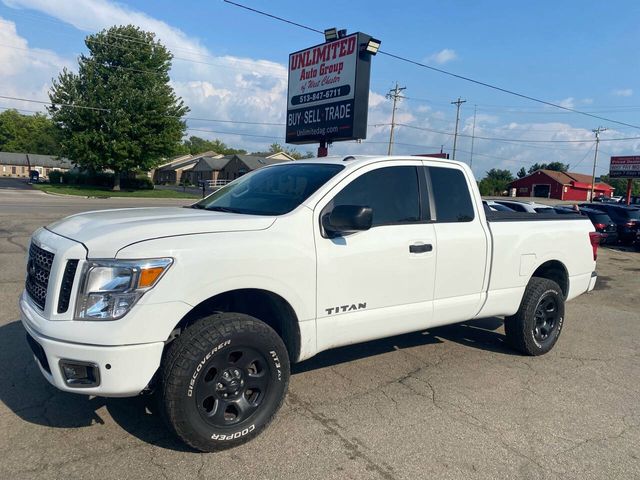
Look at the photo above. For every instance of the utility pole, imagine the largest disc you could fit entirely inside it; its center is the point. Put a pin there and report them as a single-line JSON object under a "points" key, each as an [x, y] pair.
{"points": [[457, 103], [473, 134], [597, 132], [395, 95]]}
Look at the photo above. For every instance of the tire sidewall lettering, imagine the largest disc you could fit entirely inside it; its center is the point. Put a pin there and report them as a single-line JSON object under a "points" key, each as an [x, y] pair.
{"points": [[276, 363], [234, 435], [556, 332], [202, 363]]}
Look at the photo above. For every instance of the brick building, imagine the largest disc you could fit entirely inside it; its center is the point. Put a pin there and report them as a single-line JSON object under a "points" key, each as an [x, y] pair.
{"points": [[558, 185], [18, 164]]}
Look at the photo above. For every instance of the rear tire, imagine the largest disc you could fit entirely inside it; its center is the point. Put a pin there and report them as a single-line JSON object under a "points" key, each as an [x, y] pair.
{"points": [[223, 380], [537, 324]]}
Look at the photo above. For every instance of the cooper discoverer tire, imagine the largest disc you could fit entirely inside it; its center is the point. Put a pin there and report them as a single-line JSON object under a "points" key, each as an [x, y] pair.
{"points": [[537, 324], [223, 380]]}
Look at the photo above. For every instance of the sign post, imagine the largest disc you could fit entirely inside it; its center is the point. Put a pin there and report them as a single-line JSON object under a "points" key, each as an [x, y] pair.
{"points": [[328, 94], [625, 167]]}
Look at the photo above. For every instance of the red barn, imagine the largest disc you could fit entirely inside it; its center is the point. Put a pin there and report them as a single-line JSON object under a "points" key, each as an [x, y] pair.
{"points": [[559, 185]]}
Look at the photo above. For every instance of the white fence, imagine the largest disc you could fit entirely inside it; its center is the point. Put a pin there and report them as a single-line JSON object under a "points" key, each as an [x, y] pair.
{"points": [[213, 183]]}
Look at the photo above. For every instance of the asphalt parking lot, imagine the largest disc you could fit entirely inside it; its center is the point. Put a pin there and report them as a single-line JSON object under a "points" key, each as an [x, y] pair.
{"points": [[452, 402]]}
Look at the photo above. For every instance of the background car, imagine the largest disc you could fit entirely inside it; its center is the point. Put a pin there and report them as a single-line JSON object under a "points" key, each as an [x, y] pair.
{"points": [[627, 219], [601, 222], [496, 207], [529, 207]]}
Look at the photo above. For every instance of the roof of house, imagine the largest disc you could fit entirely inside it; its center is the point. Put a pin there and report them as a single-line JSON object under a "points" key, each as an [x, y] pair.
{"points": [[254, 162], [207, 164], [183, 164], [185, 161], [278, 155], [35, 160], [567, 178]]}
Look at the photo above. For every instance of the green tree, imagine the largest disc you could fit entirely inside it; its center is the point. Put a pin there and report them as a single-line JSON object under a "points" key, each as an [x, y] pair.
{"points": [[195, 145], [276, 148], [522, 172], [135, 117], [28, 133], [495, 182], [557, 166], [620, 185]]}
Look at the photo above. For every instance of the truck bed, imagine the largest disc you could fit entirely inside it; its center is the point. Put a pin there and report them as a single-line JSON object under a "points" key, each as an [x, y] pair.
{"points": [[528, 217]]}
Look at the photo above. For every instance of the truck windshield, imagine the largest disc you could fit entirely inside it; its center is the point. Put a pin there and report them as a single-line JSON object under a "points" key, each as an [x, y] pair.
{"points": [[272, 190]]}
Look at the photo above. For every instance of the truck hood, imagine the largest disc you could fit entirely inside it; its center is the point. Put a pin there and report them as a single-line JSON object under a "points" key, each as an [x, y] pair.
{"points": [[104, 232]]}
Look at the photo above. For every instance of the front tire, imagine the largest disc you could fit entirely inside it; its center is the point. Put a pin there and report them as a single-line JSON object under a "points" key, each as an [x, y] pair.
{"points": [[223, 380], [537, 324]]}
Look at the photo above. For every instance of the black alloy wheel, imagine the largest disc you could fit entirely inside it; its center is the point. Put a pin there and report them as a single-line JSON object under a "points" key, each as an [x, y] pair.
{"points": [[223, 379], [546, 316], [534, 329], [233, 386]]}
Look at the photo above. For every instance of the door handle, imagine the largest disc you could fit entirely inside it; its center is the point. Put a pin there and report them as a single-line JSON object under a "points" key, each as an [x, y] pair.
{"points": [[420, 248]]}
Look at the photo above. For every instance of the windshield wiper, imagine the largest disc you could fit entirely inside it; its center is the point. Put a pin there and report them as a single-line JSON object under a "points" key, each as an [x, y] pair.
{"points": [[196, 205], [223, 209]]}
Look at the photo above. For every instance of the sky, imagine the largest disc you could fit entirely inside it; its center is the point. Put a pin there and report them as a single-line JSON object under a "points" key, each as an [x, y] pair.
{"points": [[230, 65]]}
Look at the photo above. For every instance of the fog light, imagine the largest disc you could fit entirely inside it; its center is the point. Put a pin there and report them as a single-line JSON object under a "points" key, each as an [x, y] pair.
{"points": [[80, 374]]}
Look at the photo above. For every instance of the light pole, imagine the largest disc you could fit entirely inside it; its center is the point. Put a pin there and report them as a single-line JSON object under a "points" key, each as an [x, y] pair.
{"points": [[597, 132], [455, 135]]}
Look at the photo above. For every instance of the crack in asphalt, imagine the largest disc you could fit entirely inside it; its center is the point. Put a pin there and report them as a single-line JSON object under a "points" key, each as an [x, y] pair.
{"points": [[353, 446]]}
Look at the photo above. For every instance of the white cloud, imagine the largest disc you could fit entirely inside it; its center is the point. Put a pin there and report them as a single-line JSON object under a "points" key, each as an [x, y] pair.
{"points": [[26, 72], [443, 56], [214, 86], [623, 92], [232, 88], [568, 102]]}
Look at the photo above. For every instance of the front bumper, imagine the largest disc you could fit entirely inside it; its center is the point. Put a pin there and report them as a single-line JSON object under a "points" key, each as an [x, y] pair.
{"points": [[592, 282], [124, 370]]}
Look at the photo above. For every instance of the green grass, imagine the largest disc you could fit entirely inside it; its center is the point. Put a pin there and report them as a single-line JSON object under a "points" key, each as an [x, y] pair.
{"points": [[88, 191]]}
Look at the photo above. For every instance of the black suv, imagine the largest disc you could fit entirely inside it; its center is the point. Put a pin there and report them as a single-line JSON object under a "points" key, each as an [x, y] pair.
{"points": [[627, 219], [601, 222]]}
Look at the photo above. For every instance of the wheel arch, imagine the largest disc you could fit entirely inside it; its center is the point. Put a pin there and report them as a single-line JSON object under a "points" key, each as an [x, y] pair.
{"points": [[264, 305], [554, 270]]}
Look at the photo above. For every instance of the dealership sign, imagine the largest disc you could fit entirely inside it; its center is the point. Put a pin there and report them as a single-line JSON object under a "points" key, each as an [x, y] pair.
{"points": [[328, 92], [625, 167]]}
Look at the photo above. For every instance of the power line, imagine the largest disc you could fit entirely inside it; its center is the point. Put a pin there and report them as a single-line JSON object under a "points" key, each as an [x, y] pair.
{"points": [[55, 103], [233, 133], [445, 72], [515, 140], [274, 17], [171, 48]]}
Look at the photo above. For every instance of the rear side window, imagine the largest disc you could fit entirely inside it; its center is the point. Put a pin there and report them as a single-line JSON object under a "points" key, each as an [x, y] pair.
{"points": [[392, 193], [544, 210], [451, 195], [599, 218]]}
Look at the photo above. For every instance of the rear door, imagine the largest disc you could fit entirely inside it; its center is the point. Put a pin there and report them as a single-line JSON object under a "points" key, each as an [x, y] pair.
{"points": [[378, 282], [463, 256]]}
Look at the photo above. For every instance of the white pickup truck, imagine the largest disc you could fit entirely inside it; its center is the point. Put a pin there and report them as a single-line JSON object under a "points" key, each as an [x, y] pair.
{"points": [[207, 306]]}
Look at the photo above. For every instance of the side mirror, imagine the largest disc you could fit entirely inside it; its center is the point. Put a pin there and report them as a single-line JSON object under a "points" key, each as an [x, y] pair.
{"points": [[347, 219]]}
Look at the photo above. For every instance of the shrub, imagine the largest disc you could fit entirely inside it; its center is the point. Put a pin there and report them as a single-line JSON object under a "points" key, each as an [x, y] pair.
{"points": [[139, 182], [55, 176]]}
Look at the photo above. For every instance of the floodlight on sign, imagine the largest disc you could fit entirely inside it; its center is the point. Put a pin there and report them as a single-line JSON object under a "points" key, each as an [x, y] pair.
{"points": [[331, 34], [372, 46]]}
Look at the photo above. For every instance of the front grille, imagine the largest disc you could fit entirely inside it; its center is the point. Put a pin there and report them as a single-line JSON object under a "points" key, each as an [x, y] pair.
{"points": [[67, 284], [38, 270]]}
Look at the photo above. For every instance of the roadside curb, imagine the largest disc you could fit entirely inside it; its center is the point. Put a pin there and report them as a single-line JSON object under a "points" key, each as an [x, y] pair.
{"points": [[44, 192]]}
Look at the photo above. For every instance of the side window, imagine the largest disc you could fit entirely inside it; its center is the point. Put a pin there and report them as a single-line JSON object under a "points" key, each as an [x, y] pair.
{"points": [[451, 195], [392, 193]]}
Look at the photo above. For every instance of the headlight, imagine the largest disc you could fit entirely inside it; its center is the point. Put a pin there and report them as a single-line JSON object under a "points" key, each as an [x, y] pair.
{"points": [[109, 288]]}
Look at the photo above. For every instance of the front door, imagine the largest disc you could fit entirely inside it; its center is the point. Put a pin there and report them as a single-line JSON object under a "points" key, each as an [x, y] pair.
{"points": [[378, 282]]}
